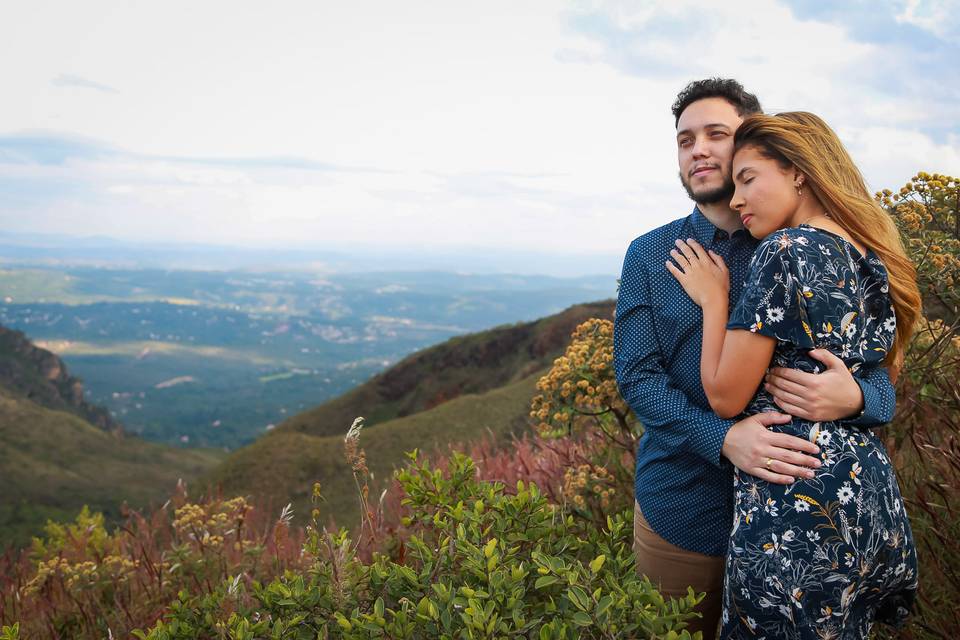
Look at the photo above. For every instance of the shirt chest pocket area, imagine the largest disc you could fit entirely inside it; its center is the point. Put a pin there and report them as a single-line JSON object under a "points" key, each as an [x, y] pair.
{"points": [[678, 321]]}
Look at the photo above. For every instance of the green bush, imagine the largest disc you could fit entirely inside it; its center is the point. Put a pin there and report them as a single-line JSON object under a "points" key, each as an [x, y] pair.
{"points": [[475, 563]]}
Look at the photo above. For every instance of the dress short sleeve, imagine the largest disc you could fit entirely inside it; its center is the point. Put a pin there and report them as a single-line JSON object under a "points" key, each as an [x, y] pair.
{"points": [[774, 300]]}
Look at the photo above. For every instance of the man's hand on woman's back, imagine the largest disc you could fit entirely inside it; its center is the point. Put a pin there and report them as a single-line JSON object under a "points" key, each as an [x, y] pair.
{"points": [[775, 457], [819, 397]]}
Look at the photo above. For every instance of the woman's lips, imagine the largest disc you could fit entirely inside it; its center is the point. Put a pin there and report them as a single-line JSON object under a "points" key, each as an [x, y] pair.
{"points": [[746, 218]]}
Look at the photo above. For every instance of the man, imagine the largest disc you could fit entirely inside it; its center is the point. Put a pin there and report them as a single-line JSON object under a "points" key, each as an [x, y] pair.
{"points": [[684, 482]]}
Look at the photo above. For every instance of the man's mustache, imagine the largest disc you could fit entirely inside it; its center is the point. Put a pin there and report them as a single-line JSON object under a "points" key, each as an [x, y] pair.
{"points": [[702, 166]]}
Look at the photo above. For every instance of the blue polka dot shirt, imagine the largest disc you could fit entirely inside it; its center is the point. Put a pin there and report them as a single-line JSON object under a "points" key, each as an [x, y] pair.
{"points": [[682, 484]]}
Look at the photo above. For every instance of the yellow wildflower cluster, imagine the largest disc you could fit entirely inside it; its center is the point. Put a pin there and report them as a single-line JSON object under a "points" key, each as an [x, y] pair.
{"points": [[46, 569], [927, 211], [912, 215], [580, 383], [83, 575], [921, 184], [208, 524], [588, 483]]}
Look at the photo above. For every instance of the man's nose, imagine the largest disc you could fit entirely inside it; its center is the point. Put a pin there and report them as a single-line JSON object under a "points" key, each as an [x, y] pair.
{"points": [[701, 148]]}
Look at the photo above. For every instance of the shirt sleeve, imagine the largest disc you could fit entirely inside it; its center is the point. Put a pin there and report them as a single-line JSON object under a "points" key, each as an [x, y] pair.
{"points": [[773, 302], [879, 398], [643, 382]]}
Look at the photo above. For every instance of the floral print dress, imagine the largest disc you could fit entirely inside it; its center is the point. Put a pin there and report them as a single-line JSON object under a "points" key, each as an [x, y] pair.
{"points": [[825, 557]]}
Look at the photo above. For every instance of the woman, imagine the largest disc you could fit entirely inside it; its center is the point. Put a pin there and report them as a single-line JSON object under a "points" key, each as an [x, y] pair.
{"points": [[826, 556]]}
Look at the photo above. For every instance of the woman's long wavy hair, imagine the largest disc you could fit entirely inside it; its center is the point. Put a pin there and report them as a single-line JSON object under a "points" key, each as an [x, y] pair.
{"points": [[803, 140]]}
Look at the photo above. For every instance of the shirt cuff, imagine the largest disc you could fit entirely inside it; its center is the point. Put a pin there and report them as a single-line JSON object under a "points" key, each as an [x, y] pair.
{"points": [[713, 443], [870, 398]]}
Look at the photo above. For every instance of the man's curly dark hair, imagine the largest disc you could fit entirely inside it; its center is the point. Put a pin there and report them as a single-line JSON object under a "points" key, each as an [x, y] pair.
{"points": [[730, 90]]}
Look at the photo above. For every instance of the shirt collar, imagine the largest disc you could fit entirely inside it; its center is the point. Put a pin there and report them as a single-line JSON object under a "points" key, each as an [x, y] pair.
{"points": [[705, 232]]}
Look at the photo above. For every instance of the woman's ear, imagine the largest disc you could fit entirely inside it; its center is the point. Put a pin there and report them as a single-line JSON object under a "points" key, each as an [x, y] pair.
{"points": [[798, 178]]}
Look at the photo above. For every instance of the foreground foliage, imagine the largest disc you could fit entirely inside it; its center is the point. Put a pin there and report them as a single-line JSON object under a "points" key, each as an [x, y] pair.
{"points": [[478, 563]]}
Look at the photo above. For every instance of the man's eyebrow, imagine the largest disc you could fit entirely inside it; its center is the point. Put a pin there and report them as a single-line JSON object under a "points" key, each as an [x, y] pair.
{"points": [[712, 125]]}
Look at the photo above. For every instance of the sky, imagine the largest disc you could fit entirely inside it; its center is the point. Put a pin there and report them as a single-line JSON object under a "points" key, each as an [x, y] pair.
{"points": [[528, 127]]}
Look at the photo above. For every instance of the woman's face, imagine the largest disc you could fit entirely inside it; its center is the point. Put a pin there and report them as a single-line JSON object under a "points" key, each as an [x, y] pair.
{"points": [[765, 194]]}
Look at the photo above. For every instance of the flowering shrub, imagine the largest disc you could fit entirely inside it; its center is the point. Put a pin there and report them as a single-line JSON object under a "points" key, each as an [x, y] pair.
{"points": [[480, 563], [580, 390], [81, 581], [924, 438], [579, 398], [926, 212]]}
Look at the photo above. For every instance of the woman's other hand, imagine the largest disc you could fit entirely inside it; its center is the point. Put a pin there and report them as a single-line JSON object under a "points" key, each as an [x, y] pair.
{"points": [[702, 273]]}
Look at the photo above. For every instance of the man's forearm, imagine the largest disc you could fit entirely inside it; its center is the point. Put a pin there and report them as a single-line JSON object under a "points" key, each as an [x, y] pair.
{"points": [[678, 423]]}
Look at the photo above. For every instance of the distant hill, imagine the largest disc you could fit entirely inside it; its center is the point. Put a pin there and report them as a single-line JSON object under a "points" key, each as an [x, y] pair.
{"points": [[282, 467], [456, 391], [53, 460], [469, 364], [41, 377]]}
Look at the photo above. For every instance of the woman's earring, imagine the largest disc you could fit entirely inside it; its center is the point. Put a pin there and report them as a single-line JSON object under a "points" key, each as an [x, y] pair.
{"points": [[800, 190]]}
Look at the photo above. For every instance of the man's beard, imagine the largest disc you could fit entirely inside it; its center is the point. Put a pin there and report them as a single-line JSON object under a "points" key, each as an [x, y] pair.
{"points": [[722, 193]]}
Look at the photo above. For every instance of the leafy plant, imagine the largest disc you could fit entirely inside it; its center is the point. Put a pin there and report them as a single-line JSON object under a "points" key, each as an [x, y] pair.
{"points": [[479, 563]]}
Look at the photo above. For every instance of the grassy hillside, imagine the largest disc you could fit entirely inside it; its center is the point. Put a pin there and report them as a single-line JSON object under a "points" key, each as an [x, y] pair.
{"points": [[53, 462], [473, 363], [282, 466]]}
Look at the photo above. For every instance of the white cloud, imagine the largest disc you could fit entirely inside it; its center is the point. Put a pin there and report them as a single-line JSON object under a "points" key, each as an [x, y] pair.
{"points": [[72, 81], [939, 17], [525, 125]]}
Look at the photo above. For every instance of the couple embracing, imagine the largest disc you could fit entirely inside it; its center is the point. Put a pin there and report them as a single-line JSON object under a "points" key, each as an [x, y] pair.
{"points": [[757, 339]]}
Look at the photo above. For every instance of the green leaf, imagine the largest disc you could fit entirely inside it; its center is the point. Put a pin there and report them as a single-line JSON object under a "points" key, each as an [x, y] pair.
{"points": [[581, 619], [603, 605], [579, 597], [597, 563], [545, 581]]}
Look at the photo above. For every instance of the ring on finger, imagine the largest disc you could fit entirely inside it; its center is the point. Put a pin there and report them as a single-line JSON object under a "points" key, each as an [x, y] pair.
{"points": [[768, 463]]}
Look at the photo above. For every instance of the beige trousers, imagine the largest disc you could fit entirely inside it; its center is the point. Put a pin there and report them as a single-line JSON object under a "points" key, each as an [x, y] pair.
{"points": [[674, 569]]}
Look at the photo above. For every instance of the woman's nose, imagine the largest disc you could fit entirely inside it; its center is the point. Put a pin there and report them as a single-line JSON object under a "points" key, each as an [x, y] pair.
{"points": [[737, 201]]}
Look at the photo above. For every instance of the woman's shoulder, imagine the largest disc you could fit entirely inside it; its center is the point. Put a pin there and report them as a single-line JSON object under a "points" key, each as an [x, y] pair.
{"points": [[789, 242]]}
